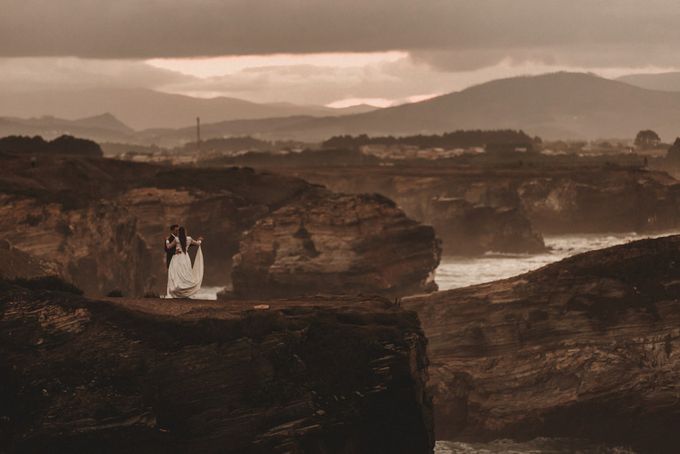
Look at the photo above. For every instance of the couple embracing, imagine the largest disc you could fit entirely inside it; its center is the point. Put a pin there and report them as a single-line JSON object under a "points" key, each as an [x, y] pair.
{"points": [[184, 279]]}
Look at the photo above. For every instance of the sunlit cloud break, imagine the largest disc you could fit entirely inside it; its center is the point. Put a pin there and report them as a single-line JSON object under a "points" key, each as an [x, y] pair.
{"points": [[220, 66]]}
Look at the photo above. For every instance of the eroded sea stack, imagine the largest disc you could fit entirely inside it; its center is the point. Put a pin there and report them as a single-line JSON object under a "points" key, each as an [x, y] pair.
{"points": [[336, 244], [327, 376], [588, 347]]}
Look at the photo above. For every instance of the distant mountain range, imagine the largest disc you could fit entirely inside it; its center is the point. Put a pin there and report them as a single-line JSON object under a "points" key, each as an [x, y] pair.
{"points": [[102, 128], [559, 105], [663, 81], [143, 108]]}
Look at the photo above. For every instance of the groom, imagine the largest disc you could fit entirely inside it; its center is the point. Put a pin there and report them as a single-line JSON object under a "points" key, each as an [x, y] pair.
{"points": [[170, 251]]}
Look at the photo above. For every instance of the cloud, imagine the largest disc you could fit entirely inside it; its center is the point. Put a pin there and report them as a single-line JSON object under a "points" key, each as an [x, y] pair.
{"points": [[455, 35], [69, 73], [313, 84]]}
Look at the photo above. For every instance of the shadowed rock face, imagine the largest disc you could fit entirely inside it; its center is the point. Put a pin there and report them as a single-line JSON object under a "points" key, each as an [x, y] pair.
{"points": [[543, 199], [315, 376], [101, 223], [336, 244], [613, 201], [588, 347], [15, 264], [468, 229]]}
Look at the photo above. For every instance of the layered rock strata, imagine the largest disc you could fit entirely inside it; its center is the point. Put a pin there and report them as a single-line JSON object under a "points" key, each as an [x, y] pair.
{"points": [[16, 264], [588, 347], [102, 223], [121, 375], [469, 229], [544, 200], [336, 244]]}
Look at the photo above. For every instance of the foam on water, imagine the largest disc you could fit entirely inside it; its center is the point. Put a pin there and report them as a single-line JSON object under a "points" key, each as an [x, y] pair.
{"points": [[454, 271], [207, 293]]}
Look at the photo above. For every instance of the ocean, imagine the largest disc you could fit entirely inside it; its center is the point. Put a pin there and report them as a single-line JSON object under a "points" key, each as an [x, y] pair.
{"points": [[455, 272]]}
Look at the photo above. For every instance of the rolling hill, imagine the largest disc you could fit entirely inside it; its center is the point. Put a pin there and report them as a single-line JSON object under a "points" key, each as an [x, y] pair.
{"points": [[101, 128], [665, 81], [143, 108], [553, 106], [558, 105]]}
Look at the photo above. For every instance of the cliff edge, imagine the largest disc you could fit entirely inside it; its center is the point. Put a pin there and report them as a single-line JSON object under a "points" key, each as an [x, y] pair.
{"points": [[588, 347], [122, 375]]}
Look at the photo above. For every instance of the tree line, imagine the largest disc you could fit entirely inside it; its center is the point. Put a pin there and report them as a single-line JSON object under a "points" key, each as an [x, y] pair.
{"points": [[65, 144], [449, 140]]}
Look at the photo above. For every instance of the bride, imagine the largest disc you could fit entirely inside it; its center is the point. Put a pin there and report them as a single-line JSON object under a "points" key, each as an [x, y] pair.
{"points": [[184, 280]]}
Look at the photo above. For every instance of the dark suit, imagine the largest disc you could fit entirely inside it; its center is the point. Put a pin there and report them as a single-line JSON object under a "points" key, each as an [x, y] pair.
{"points": [[169, 252]]}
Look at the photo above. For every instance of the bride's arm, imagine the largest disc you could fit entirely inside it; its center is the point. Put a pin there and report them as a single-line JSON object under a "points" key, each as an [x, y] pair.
{"points": [[197, 242]]}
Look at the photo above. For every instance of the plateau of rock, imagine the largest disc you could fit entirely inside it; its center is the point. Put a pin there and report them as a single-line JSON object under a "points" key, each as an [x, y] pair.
{"points": [[588, 347], [122, 375]]}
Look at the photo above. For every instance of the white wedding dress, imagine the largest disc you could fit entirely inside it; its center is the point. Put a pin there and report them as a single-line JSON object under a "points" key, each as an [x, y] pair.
{"points": [[184, 280]]}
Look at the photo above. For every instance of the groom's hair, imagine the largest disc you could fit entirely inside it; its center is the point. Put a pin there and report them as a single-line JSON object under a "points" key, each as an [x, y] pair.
{"points": [[173, 227]]}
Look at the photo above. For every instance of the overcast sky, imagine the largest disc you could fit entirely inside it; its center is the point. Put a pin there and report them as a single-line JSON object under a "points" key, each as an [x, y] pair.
{"points": [[326, 51]]}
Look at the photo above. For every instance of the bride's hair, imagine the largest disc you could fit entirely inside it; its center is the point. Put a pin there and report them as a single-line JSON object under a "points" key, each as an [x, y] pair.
{"points": [[183, 239]]}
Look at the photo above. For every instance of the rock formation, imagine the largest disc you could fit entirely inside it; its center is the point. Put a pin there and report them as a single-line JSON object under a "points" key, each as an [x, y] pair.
{"points": [[543, 200], [123, 375], [336, 244], [102, 223], [16, 264], [616, 200], [467, 229], [588, 347]]}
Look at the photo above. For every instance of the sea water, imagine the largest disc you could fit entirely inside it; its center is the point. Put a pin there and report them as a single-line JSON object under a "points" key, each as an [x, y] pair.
{"points": [[454, 271]]}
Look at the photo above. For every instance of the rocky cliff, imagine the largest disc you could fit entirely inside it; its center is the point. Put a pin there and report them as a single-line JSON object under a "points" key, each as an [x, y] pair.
{"points": [[316, 376], [102, 223], [16, 264], [588, 347], [336, 244], [472, 229], [541, 200]]}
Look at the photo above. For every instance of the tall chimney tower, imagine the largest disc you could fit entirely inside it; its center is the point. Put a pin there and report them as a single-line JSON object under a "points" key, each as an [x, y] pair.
{"points": [[198, 134]]}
